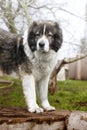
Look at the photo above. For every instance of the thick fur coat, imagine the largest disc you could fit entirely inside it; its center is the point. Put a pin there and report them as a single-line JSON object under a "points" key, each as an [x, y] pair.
{"points": [[37, 57]]}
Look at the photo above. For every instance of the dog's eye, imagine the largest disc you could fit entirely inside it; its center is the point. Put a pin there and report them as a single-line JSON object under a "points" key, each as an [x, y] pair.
{"points": [[50, 34], [37, 34]]}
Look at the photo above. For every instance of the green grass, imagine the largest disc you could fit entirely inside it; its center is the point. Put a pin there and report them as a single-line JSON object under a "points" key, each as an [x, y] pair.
{"points": [[13, 95], [70, 94]]}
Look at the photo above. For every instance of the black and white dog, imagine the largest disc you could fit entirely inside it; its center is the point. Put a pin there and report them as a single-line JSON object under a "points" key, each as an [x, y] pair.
{"points": [[36, 56]]}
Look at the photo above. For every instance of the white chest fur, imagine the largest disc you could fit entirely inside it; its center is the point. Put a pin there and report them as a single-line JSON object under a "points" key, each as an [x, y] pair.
{"points": [[43, 64]]}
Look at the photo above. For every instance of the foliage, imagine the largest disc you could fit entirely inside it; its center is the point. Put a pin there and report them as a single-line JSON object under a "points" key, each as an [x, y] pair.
{"points": [[70, 94]]}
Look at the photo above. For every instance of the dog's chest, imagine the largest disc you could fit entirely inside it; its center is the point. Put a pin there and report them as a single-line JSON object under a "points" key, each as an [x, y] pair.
{"points": [[43, 66]]}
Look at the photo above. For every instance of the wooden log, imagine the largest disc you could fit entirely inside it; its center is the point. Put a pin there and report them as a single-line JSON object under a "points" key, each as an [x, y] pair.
{"points": [[20, 119], [13, 118], [5, 82]]}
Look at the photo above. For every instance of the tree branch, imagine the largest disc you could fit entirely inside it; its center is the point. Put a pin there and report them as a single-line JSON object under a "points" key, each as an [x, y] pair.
{"points": [[8, 16], [23, 4], [61, 63]]}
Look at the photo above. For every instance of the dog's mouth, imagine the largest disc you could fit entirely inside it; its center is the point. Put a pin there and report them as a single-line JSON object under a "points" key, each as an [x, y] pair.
{"points": [[42, 50]]}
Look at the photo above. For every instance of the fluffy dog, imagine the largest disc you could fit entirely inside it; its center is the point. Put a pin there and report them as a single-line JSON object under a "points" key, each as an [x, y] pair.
{"points": [[36, 56]]}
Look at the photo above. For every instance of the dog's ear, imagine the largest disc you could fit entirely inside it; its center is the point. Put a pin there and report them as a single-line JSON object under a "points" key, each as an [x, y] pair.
{"points": [[34, 23], [58, 35], [58, 38], [32, 26]]}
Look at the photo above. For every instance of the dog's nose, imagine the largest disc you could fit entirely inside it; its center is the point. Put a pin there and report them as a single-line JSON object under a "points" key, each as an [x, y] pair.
{"points": [[41, 44]]}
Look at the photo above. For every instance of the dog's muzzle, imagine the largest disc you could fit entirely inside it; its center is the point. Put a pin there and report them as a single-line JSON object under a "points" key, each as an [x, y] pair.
{"points": [[43, 44]]}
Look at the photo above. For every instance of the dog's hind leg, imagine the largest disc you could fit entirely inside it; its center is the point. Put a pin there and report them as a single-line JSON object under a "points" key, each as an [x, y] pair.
{"points": [[30, 94]]}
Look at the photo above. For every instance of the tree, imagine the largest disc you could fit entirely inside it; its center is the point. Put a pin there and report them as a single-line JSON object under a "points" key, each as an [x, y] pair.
{"points": [[11, 13], [83, 47]]}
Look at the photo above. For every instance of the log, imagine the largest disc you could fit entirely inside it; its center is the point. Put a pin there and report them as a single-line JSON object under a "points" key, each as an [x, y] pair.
{"points": [[6, 84], [14, 118]]}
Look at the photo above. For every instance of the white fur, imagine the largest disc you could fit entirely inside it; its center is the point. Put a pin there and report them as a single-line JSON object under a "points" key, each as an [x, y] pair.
{"points": [[42, 66], [42, 87], [26, 47], [30, 94], [45, 40], [44, 30]]}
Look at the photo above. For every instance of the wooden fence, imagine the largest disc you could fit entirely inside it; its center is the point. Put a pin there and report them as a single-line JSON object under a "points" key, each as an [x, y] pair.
{"points": [[78, 70]]}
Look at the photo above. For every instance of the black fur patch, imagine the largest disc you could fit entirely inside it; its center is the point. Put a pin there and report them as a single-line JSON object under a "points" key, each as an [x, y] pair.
{"points": [[11, 55]]}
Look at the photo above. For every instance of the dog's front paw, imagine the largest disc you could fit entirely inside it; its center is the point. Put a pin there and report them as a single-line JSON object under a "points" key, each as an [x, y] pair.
{"points": [[35, 109], [49, 108]]}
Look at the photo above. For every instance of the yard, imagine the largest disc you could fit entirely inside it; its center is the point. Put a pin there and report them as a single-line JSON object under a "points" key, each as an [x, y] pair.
{"points": [[70, 94]]}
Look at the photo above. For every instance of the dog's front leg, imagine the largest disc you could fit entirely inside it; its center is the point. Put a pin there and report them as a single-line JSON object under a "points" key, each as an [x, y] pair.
{"points": [[30, 94], [42, 87]]}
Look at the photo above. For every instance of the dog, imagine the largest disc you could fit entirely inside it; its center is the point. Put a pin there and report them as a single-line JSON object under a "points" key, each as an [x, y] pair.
{"points": [[36, 56]]}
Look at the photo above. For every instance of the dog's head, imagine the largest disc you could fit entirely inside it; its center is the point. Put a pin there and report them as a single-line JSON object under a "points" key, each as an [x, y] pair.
{"points": [[44, 36]]}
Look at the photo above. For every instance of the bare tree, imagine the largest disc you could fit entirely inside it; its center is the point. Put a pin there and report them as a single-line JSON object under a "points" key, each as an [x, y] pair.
{"points": [[10, 13], [83, 47], [19, 12]]}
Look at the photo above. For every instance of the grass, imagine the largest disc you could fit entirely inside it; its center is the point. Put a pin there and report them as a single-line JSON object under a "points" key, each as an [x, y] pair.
{"points": [[13, 95], [70, 94]]}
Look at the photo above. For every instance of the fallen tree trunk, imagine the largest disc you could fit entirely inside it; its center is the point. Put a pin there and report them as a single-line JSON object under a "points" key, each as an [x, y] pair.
{"points": [[6, 84], [20, 119]]}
